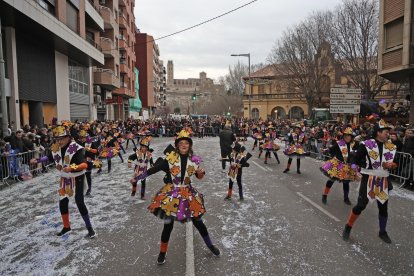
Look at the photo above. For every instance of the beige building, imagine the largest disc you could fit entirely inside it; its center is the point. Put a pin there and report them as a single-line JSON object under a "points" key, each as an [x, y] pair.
{"points": [[272, 96], [179, 92]]}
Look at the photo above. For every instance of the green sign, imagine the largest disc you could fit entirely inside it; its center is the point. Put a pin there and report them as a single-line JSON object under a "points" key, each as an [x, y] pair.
{"points": [[136, 104]]}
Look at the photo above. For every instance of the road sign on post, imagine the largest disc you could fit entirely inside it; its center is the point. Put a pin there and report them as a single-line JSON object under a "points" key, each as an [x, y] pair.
{"points": [[345, 100]]}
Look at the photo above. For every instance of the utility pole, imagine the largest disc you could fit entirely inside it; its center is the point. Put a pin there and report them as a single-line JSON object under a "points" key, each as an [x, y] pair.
{"points": [[4, 116]]}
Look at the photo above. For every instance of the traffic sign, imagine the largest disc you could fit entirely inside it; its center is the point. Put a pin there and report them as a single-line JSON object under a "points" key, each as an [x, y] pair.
{"points": [[345, 91], [344, 101], [350, 109], [346, 96]]}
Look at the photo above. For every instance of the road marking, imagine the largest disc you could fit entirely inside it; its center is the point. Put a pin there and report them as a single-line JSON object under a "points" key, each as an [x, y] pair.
{"points": [[263, 168], [269, 169], [189, 264], [318, 207]]}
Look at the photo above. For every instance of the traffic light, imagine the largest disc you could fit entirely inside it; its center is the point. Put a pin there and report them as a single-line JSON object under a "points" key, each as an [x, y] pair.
{"points": [[194, 97]]}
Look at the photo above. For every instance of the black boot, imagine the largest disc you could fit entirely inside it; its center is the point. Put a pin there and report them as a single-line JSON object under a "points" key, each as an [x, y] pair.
{"points": [[324, 199], [346, 233], [298, 171], [91, 233], [285, 171], [347, 201], [384, 236], [214, 250], [64, 231], [161, 258]]}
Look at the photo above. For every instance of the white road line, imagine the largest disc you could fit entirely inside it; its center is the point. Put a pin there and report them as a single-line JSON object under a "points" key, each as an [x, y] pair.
{"points": [[189, 264], [263, 168], [269, 169], [318, 207]]}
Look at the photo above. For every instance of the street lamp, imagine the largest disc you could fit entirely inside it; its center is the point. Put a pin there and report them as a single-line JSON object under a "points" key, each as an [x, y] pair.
{"points": [[275, 114], [250, 86]]}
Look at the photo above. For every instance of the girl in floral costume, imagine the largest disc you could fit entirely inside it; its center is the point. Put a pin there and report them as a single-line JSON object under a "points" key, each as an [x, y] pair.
{"points": [[294, 148], [341, 167], [178, 200]]}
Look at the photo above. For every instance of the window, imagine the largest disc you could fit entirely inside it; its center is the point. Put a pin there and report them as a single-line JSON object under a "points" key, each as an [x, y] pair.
{"points": [[72, 17], [78, 78], [255, 113], [261, 89], [48, 5], [394, 33]]}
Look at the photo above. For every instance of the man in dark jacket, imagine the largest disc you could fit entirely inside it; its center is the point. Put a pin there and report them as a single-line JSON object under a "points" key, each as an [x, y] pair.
{"points": [[226, 140], [408, 147]]}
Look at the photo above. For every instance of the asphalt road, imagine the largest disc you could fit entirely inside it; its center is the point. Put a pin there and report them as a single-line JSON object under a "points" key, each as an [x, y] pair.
{"points": [[281, 228]]}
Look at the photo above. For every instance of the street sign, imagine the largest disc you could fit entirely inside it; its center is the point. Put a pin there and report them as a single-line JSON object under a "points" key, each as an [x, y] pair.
{"points": [[345, 91], [344, 101], [346, 96], [350, 109]]}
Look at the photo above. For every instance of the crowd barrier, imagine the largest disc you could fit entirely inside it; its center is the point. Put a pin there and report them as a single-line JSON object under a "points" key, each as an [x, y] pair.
{"points": [[18, 166]]}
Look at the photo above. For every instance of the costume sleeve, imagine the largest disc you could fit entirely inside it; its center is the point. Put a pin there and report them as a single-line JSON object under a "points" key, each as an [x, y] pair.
{"points": [[160, 165], [360, 156], [132, 157]]}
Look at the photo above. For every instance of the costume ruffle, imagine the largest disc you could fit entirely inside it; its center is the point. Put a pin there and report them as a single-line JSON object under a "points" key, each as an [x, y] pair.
{"points": [[340, 171]]}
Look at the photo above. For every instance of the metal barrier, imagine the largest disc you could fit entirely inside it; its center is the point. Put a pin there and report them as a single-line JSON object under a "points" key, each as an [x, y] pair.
{"points": [[404, 171]]}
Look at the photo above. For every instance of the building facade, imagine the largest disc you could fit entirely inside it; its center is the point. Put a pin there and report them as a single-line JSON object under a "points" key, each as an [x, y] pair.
{"points": [[50, 48], [270, 94], [179, 92], [151, 73], [115, 80]]}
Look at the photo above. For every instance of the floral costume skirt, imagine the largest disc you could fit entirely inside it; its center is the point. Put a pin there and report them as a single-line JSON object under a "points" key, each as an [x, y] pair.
{"points": [[181, 203], [293, 151], [337, 170]]}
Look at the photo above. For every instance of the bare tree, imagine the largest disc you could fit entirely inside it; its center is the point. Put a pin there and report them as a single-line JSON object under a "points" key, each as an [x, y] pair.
{"points": [[219, 104], [233, 81], [294, 56], [355, 40]]}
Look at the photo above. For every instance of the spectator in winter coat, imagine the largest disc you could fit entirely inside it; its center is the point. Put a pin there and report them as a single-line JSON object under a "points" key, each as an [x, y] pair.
{"points": [[408, 146], [16, 141], [396, 141], [227, 138]]}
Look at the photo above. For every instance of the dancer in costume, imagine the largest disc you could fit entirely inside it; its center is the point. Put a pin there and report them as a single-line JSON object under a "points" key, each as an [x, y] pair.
{"points": [[238, 160], [342, 166], [269, 145], [70, 162], [178, 200], [107, 149], [376, 158], [141, 157], [256, 133], [91, 150], [294, 148]]}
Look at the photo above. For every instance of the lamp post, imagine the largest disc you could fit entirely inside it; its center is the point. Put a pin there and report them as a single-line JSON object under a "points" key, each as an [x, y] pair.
{"points": [[276, 115], [250, 86]]}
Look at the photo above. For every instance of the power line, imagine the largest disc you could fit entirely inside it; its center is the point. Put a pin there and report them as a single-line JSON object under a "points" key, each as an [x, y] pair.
{"points": [[197, 25]]}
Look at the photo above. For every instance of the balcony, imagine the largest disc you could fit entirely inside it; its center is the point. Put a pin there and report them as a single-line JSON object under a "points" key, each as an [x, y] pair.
{"points": [[106, 78], [108, 17], [108, 47], [123, 67], [123, 43], [125, 91], [122, 21]]}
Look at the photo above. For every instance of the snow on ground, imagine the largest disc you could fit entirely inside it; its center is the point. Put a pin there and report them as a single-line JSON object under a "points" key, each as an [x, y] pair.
{"points": [[28, 243]]}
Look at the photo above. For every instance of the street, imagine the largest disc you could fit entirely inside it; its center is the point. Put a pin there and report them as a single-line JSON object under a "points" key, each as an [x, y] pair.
{"points": [[281, 228]]}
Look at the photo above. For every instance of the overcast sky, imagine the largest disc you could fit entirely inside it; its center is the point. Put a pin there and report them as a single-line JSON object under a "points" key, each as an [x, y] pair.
{"points": [[253, 29]]}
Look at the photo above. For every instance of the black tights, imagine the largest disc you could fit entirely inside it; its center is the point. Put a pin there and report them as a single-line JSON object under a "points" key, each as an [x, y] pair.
{"points": [[297, 163], [168, 227], [89, 180], [64, 203]]}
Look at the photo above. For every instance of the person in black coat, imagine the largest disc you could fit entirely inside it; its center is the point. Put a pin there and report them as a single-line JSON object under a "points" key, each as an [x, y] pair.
{"points": [[226, 140]]}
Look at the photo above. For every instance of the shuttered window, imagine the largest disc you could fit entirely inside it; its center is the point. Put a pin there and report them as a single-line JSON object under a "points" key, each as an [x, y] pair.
{"points": [[394, 33], [72, 17]]}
